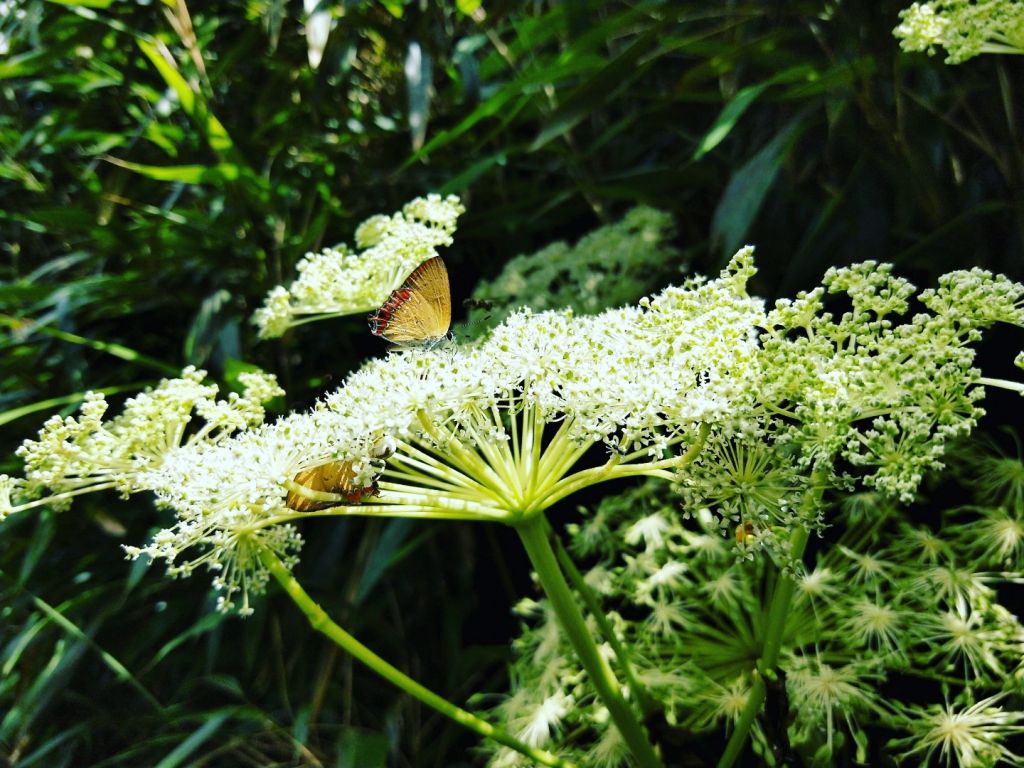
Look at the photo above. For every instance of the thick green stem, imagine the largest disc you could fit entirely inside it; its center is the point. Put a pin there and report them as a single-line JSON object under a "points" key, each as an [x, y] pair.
{"points": [[533, 533], [321, 622], [778, 611], [775, 627]]}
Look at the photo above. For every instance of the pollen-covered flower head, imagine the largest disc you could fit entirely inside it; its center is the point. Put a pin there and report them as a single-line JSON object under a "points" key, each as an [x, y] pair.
{"points": [[340, 281]]}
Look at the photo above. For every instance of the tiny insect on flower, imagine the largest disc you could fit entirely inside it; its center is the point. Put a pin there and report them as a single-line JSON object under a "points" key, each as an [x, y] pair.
{"points": [[745, 533]]}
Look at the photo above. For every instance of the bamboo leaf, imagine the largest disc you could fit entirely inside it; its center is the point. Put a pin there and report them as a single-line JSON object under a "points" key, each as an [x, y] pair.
{"points": [[183, 174], [748, 187], [196, 739], [738, 104]]}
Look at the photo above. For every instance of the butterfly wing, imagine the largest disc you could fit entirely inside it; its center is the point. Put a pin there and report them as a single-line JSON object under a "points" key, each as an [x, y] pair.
{"points": [[333, 477], [420, 310]]}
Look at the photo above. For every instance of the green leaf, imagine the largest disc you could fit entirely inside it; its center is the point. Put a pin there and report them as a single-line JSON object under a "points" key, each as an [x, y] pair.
{"points": [[216, 135], [119, 669], [196, 739], [468, 7], [111, 348], [384, 554], [748, 187], [611, 80], [204, 333], [362, 749], [737, 105], [84, 3], [184, 174], [395, 7], [55, 402], [728, 117], [466, 178], [205, 624]]}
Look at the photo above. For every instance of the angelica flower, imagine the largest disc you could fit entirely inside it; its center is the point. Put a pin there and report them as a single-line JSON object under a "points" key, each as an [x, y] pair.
{"points": [[650, 530], [464, 425], [965, 28], [962, 635], [822, 691], [996, 537], [871, 624], [867, 568], [818, 584], [610, 751], [725, 702], [546, 720], [338, 281], [90, 453]]}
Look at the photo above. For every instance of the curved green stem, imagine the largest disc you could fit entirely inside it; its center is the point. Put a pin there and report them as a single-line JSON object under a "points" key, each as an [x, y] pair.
{"points": [[321, 622], [778, 611], [533, 532], [615, 469]]}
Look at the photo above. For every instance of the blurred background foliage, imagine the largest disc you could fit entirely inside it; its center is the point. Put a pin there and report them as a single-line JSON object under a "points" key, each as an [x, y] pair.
{"points": [[163, 166]]}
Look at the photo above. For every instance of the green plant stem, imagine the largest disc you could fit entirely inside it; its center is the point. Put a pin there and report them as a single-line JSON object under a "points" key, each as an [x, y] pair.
{"points": [[779, 608], [590, 600], [533, 533], [322, 623], [771, 646], [755, 698]]}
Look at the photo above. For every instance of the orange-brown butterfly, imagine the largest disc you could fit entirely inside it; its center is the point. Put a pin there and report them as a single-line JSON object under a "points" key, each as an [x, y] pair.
{"points": [[333, 477], [420, 311]]}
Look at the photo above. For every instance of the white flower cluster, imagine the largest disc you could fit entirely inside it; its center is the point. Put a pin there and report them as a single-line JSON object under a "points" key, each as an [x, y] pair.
{"points": [[691, 609], [639, 379], [965, 28], [339, 281], [80, 455]]}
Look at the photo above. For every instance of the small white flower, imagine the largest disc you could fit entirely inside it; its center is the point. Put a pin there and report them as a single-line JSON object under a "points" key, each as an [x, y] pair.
{"points": [[337, 281]]}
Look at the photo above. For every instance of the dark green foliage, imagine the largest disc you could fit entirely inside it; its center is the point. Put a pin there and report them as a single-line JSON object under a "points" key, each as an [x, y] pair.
{"points": [[155, 183]]}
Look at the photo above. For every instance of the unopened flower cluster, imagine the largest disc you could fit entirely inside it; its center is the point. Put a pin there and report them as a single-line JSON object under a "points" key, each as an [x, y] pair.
{"points": [[965, 28], [342, 281]]}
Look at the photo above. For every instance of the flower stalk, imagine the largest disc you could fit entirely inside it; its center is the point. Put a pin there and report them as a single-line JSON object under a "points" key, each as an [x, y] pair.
{"points": [[321, 622]]}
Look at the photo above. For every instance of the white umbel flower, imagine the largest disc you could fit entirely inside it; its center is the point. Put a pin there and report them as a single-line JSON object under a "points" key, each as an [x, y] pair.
{"points": [[338, 281]]}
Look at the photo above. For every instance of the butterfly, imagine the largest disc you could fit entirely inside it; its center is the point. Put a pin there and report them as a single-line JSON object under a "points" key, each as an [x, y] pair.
{"points": [[420, 311], [333, 477]]}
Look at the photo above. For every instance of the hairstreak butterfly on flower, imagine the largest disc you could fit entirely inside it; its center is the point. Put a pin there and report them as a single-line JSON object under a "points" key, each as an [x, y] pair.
{"points": [[420, 311], [337, 477]]}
